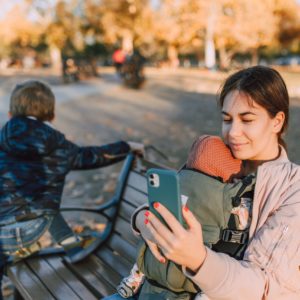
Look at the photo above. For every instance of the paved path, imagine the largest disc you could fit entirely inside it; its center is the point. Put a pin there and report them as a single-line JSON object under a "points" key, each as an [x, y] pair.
{"points": [[171, 109]]}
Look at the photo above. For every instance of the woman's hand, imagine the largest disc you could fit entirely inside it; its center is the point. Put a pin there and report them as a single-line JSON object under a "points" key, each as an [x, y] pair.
{"points": [[183, 246], [141, 223]]}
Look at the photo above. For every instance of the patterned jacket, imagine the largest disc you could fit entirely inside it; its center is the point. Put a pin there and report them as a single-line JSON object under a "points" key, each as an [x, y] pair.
{"points": [[34, 161]]}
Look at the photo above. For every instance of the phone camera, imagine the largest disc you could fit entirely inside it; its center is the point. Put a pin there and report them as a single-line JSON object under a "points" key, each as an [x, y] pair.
{"points": [[151, 182], [151, 176]]}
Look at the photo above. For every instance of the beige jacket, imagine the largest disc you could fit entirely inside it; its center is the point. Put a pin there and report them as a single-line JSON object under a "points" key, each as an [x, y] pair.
{"points": [[271, 267]]}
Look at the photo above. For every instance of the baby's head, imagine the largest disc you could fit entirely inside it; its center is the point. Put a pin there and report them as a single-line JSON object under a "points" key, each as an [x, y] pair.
{"points": [[211, 156], [32, 98]]}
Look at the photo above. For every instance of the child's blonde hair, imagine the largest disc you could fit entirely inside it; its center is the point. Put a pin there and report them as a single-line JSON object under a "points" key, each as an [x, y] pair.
{"points": [[32, 98]]}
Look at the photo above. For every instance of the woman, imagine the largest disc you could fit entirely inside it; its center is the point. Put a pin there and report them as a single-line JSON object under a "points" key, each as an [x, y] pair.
{"points": [[255, 112]]}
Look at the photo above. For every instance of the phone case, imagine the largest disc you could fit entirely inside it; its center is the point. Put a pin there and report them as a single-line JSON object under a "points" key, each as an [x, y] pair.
{"points": [[163, 187]]}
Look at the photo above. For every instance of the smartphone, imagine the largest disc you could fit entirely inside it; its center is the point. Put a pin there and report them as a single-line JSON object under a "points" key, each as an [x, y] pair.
{"points": [[163, 187]]}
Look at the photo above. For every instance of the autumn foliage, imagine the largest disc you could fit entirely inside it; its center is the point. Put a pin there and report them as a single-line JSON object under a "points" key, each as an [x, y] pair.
{"points": [[162, 29]]}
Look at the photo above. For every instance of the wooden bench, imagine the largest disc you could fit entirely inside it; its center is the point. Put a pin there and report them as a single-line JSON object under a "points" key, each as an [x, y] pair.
{"points": [[48, 276]]}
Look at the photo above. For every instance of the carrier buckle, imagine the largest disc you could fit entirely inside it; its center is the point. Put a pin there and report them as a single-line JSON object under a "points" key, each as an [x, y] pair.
{"points": [[234, 236]]}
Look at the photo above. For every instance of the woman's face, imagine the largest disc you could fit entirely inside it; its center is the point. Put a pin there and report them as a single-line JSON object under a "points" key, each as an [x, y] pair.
{"points": [[248, 129]]}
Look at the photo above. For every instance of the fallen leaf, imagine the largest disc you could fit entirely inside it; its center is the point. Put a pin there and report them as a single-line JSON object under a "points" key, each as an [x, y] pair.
{"points": [[110, 186]]}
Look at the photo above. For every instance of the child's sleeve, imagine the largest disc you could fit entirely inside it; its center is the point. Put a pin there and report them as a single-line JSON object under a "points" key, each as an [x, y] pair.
{"points": [[98, 156]]}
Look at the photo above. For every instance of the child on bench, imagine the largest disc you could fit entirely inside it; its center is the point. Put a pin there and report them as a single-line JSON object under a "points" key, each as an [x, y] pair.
{"points": [[35, 159]]}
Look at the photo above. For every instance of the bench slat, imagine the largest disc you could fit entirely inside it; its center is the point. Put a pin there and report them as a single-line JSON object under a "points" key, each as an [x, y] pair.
{"points": [[27, 283], [137, 181], [126, 210], [135, 196], [58, 287], [86, 272], [123, 228], [122, 247], [114, 261], [94, 269], [78, 287]]}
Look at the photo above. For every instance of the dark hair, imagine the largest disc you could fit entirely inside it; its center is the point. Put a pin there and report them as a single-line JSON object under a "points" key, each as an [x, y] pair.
{"points": [[265, 86], [32, 98]]}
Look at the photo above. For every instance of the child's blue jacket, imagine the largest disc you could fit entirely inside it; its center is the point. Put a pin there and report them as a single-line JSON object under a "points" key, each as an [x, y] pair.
{"points": [[34, 161]]}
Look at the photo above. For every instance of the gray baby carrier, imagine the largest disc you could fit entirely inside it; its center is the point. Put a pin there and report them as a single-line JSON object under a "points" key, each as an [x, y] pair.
{"points": [[211, 201]]}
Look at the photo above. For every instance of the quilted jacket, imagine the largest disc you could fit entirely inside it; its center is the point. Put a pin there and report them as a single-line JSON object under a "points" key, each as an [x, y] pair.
{"points": [[34, 161]]}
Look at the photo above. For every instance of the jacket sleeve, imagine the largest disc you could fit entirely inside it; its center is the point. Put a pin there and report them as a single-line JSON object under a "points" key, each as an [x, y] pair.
{"points": [[270, 269], [98, 156]]}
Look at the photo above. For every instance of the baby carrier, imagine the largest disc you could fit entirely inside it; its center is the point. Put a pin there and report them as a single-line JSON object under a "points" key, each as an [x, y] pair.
{"points": [[212, 202]]}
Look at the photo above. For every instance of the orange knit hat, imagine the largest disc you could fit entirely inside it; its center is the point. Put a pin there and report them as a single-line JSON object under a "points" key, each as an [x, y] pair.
{"points": [[210, 155]]}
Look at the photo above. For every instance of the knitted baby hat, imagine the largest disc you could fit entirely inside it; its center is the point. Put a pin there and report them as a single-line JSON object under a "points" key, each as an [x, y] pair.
{"points": [[210, 155]]}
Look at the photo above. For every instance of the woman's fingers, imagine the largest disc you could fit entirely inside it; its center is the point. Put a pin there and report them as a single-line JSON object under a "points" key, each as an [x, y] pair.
{"points": [[169, 218], [168, 239], [173, 243], [155, 251], [176, 243], [160, 233], [190, 219]]}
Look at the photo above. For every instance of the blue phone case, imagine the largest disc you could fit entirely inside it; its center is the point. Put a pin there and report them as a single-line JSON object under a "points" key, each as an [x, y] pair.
{"points": [[163, 187]]}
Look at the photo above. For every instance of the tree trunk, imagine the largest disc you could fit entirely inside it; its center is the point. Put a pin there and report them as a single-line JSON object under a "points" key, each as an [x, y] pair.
{"points": [[94, 67], [225, 58], [56, 60], [254, 57], [173, 56], [210, 54]]}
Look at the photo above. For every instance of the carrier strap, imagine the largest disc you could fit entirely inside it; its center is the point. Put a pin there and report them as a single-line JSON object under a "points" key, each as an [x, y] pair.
{"points": [[236, 200], [235, 236], [233, 241]]}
